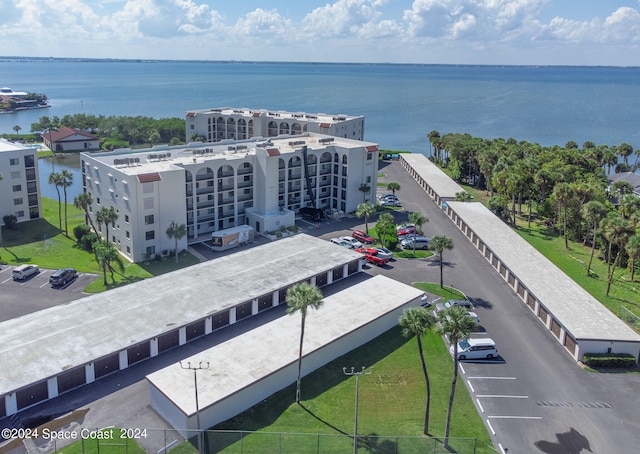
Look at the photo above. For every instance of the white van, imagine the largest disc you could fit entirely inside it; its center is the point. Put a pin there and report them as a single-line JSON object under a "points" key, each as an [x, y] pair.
{"points": [[476, 348], [20, 273]]}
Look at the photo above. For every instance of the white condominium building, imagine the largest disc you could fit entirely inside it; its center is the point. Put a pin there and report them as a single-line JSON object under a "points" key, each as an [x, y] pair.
{"points": [[239, 124], [19, 181], [215, 186]]}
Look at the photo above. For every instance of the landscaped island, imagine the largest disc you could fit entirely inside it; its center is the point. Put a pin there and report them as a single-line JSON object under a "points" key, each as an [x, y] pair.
{"points": [[11, 101]]}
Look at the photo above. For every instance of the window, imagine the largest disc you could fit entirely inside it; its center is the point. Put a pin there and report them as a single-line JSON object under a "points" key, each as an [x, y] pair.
{"points": [[151, 251], [147, 188], [14, 161], [148, 219], [17, 187], [150, 234], [126, 218], [128, 249], [15, 175], [17, 201], [19, 214], [148, 204], [126, 234], [368, 179], [369, 156], [98, 200]]}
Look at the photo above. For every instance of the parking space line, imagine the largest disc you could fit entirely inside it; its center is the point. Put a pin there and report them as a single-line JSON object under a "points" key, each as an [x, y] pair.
{"points": [[470, 386], [461, 368], [480, 405], [7, 280], [491, 427], [502, 449], [499, 395], [491, 378], [514, 417]]}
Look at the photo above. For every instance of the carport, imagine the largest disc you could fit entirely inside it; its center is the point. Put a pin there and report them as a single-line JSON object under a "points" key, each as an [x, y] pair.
{"points": [[247, 369]]}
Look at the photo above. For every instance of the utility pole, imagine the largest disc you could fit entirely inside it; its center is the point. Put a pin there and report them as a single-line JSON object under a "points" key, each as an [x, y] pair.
{"points": [[201, 366], [355, 428]]}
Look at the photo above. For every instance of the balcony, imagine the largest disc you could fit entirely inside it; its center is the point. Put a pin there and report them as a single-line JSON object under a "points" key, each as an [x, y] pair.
{"points": [[204, 176]]}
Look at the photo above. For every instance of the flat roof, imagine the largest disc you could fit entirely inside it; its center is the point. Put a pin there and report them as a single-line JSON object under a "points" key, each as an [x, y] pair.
{"points": [[163, 158], [280, 114], [439, 181], [6, 145], [583, 316], [274, 345], [43, 344]]}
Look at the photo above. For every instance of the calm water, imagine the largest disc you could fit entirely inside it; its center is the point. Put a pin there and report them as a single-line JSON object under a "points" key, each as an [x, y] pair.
{"points": [[48, 165], [401, 103]]}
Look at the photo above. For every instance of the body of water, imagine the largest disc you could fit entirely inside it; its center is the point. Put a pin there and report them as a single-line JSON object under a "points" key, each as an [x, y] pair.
{"points": [[401, 103]]}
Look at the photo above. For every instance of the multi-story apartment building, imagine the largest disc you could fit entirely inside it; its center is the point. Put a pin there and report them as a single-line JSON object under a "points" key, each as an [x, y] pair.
{"points": [[215, 186], [239, 124], [19, 183]]}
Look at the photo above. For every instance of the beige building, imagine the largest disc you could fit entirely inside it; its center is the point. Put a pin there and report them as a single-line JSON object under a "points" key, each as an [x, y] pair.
{"points": [[210, 187], [19, 184], [239, 124]]}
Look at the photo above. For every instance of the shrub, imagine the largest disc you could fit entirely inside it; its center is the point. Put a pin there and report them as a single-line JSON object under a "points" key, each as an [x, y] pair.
{"points": [[10, 221], [87, 241], [81, 230], [609, 360]]}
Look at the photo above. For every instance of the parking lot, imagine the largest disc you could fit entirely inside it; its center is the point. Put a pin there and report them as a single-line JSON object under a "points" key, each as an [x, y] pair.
{"points": [[35, 293]]}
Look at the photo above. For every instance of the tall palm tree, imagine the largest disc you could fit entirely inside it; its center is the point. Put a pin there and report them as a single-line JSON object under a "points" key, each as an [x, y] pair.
{"points": [[384, 227], [593, 212], [562, 193], [455, 325], [66, 179], [393, 187], [83, 201], [432, 136], [106, 216], [418, 219], [364, 188], [438, 244], [106, 254], [633, 249], [301, 297], [415, 321], [366, 210], [617, 231], [176, 231], [56, 179], [17, 129]]}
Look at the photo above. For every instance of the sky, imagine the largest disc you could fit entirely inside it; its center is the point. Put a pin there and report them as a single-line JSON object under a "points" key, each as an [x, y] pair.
{"points": [[502, 32]]}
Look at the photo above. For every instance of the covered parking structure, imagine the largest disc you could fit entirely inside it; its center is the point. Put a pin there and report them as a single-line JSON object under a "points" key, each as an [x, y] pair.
{"points": [[49, 352], [430, 177], [247, 369], [576, 319]]}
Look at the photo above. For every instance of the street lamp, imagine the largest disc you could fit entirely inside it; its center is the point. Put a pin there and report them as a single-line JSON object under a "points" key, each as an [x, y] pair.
{"points": [[195, 370], [355, 428]]}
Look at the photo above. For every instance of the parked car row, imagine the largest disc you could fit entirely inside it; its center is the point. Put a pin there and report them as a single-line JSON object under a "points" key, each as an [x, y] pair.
{"points": [[59, 278]]}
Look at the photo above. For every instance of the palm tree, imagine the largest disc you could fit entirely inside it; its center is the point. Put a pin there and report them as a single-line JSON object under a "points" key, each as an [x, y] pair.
{"points": [[83, 201], [66, 179], [367, 210], [617, 231], [418, 219], [633, 249], [106, 216], [562, 193], [463, 196], [593, 211], [301, 297], [432, 136], [17, 129], [176, 231], [56, 179], [105, 254], [438, 244], [364, 188], [154, 136], [455, 325], [393, 187], [384, 227], [415, 321]]}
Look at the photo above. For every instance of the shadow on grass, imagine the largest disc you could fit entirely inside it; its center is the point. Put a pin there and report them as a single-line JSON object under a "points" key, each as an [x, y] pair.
{"points": [[16, 258], [28, 232]]}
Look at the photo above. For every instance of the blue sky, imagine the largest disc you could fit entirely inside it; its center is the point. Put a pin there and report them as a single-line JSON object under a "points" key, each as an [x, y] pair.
{"points": [[521, 32]]}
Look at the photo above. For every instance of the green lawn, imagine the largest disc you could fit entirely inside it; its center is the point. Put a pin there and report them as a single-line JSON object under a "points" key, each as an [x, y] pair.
{"points": [[42, 242], [112, 443]]}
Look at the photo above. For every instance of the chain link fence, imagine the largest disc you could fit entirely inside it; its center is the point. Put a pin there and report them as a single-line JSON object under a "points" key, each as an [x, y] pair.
{"points": [[632, 319]]}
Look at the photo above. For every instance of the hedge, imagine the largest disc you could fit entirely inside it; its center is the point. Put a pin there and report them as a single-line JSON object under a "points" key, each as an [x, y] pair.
{"points": [[610, 360]]}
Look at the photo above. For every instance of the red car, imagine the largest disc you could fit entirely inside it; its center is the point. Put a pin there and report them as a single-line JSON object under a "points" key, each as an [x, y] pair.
{"points": [[406, 230], [371, 256], [363, 237]]}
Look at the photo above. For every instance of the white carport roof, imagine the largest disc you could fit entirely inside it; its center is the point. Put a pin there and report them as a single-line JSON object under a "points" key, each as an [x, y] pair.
{"points": [[441, 184], [274, 345], [43, 344], [583, 316]]}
